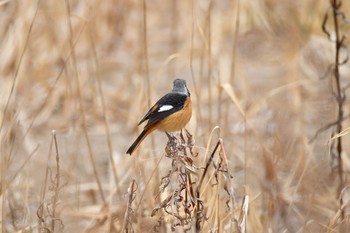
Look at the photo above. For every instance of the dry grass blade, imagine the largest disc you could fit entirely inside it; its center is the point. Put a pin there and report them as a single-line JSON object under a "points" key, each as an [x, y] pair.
{"points": [[81, 106], [40, 210], [57, 184], [337, 144], [127, 225], [14, 82], [229, 90], [48, 219], [106, 124], [219, 171], [5, 184], [243, 218], [341, 134]]}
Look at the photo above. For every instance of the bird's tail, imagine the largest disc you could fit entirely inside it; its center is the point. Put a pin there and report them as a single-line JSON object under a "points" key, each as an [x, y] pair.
{"points": [[139, 139]]}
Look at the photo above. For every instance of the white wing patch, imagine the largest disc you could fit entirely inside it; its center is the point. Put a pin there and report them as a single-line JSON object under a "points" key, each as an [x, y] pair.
{"points": [[165, 108]]}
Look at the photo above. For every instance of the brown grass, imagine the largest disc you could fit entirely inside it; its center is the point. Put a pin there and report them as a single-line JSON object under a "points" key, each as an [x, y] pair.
{"points": [[76, 77]]}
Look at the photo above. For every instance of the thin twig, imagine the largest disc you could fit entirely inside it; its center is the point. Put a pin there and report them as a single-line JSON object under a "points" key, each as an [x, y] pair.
{"points": [[105, 120], [56, 183], [19, 64], [339, 93], [128, 212], [82, 110]]}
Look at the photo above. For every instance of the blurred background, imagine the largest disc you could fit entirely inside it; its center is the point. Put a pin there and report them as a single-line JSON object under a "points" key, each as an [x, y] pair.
{"points": [[85, 72]]}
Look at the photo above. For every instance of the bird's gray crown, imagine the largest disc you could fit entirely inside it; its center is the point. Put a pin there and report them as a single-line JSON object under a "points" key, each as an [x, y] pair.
{"points": [[180, 87]]}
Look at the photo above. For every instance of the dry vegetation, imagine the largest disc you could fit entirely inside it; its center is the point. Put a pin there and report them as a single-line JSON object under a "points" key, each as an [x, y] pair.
{"points": [[76, 76]]}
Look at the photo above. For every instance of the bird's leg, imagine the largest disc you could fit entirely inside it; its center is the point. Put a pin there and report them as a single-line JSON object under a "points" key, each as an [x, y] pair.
{"points": [[190, 139], [183, 140], [170, 136], [172, 139], [171, 147], [182, 137]]}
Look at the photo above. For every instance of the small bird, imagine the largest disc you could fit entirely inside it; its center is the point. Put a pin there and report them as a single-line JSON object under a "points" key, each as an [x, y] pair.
{"points": [[171, 113]]}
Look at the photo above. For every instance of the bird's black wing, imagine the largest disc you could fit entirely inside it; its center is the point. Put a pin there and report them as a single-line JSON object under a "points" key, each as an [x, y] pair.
{"points": [[171, 103]]}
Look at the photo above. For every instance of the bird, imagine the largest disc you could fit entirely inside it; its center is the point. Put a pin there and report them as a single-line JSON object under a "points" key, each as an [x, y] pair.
{"points": [[170, 113]]}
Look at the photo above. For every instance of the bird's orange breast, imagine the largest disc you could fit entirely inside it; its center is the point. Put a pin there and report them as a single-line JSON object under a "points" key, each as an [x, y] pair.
{"points": [[177, 120]]}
